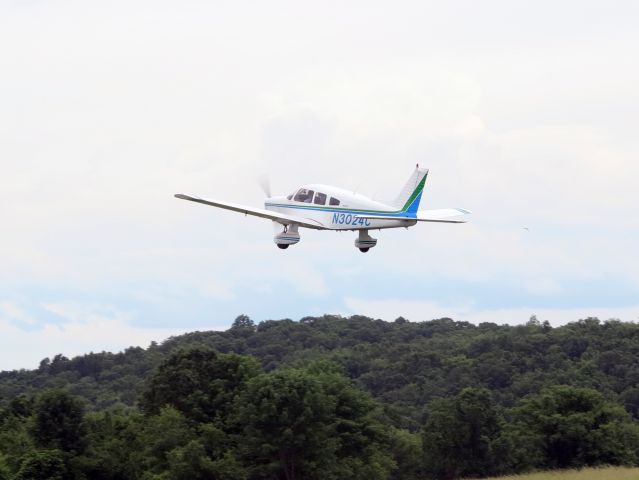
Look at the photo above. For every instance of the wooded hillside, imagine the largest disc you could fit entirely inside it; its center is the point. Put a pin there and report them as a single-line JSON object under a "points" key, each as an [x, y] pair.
{"points": [[438, 399]]}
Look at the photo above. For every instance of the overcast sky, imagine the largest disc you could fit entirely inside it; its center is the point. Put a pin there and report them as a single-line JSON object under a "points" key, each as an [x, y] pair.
{"points": [[525, 112]]}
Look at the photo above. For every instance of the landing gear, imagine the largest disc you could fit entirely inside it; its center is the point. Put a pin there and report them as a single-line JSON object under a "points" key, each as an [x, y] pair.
{"points": [[364, 241], [288, 236]]}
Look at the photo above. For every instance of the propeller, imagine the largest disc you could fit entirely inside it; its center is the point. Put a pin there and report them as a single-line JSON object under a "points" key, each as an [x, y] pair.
{"points": [[265, 183]]}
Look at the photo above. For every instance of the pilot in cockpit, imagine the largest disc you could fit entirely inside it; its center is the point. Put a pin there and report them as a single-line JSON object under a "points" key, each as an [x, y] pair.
{"points": [[304, 195]]}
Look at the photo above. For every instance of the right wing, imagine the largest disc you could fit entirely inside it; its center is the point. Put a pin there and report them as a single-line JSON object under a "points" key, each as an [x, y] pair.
{"points": [[256, 212]]}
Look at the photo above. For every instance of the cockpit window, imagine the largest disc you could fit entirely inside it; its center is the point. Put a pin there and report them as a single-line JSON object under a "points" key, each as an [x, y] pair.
{"points": [[320, 198], [334, 201], [304, 195], [290, 197]]}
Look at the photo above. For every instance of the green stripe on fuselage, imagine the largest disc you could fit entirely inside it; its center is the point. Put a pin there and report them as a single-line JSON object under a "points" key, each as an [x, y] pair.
{"points": [[336, 208]]}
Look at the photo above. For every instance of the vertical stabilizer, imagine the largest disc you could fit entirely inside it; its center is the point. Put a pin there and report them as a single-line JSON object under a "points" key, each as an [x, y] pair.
{"points": [[410, 196]]}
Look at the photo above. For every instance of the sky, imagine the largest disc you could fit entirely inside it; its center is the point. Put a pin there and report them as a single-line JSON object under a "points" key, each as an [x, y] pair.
{"points": [[525, 113]]}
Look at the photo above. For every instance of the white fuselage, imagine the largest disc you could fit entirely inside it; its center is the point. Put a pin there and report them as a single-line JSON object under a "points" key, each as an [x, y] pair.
{"points": [[338, 209]]}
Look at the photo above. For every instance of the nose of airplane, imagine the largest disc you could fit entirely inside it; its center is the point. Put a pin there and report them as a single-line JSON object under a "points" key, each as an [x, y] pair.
{"points": [[274, 199], [270, 201]]}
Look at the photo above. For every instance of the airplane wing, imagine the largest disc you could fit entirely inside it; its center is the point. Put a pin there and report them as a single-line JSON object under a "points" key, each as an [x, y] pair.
{"points": [[256, 212], [439, 216]]}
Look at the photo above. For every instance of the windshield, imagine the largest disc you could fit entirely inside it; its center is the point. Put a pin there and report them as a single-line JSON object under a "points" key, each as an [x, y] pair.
{"points": [[304, 195]]}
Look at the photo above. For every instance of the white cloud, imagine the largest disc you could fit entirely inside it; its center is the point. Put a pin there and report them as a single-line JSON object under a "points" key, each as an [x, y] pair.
{"points": [[84, 328], [526, 118], [11, 311]]}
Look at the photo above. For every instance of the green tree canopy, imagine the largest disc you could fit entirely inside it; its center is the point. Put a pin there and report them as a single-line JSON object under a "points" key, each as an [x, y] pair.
{"points": [[461, 435], [5, 470], [299, 424], [58, 421], [565, 426], [40, 465], [198, 382], [243, 322]]}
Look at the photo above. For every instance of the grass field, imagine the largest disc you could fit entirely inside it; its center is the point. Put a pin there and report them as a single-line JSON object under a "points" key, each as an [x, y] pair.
{"points": [[612, 473]]}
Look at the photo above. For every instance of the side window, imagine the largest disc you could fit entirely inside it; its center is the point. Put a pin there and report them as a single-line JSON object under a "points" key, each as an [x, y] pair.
{"points": [[290, 196], [304, 195], [334, 201], [320, 198]]}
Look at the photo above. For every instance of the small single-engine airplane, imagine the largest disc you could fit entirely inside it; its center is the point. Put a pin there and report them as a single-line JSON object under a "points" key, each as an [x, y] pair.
{"points": [[323, 207]]}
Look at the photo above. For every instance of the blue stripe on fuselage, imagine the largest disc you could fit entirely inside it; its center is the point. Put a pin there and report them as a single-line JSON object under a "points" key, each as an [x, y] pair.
{"points": [[409, 214]]}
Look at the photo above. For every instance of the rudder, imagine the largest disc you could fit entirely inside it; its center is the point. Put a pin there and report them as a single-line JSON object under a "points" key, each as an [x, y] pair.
{"points": [[410, 196]]}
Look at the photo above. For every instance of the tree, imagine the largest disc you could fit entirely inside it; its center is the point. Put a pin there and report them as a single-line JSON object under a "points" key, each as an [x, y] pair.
{"points": [[192, 462], [115, 446], [565, 427], [15, 441], [243, 322], [461, 435], [58, 421], [21, 406], [198, 382], [406, 448], [39, 465], [287, 429], [305, 424], [160, 434], [5, 471], [630, 400]]}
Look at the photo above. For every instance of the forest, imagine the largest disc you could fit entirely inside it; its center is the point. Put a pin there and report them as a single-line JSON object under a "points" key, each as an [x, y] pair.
{"points": [[331, 397]]}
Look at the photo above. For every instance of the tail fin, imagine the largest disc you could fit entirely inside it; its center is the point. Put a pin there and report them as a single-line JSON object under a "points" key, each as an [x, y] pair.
{"points": [[408, 199]]}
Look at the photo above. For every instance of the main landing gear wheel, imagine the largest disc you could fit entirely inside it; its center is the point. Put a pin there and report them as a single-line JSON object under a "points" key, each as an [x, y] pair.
{"points": [[364, 241], [287, 237]]}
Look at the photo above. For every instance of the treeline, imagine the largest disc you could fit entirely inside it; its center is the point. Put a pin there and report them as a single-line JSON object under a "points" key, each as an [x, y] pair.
{"points": [[330, 397], [205, 415]]}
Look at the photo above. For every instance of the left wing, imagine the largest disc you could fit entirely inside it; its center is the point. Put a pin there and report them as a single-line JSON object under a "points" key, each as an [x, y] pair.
{"points": [[256, 212]]}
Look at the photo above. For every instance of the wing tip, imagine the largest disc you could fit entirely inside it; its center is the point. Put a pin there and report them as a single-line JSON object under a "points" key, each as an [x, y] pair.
{"points": [[182, 196]]}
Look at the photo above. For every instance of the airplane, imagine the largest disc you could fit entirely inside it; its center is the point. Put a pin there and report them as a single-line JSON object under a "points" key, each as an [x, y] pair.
{"points": [[324, 207]]}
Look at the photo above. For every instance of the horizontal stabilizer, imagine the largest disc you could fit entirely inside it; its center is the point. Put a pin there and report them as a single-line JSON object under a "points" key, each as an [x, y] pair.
{"points": [[256, 212], [442, 215]]}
